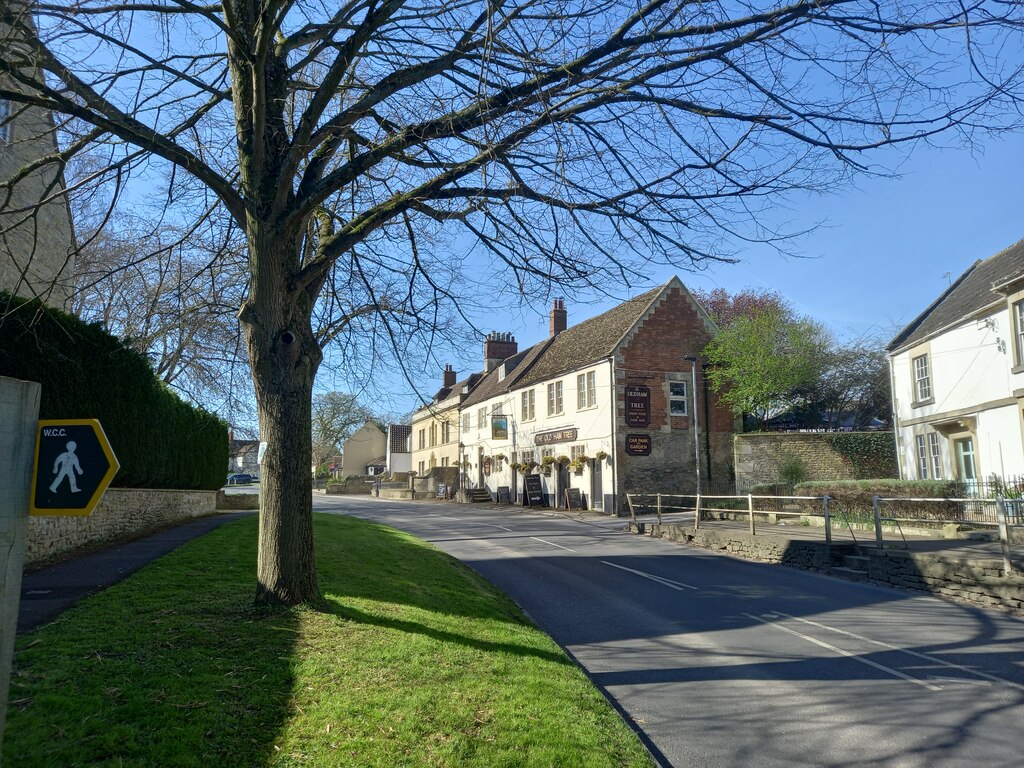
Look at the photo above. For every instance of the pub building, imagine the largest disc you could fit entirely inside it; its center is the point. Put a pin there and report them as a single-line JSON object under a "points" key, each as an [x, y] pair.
{"points": [[598, 409]]}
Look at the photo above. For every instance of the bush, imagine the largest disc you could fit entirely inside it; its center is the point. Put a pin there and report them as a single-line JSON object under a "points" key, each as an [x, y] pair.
{"points": [[855, 496], [792, 470], [86, 373], [871, 455]]}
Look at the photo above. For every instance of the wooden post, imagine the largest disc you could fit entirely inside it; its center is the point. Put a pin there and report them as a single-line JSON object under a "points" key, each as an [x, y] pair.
{"points": [[878, 521], [750, 509], [659, 509], [19, 416], [696, 514], [828, 520], [1004, 535]]}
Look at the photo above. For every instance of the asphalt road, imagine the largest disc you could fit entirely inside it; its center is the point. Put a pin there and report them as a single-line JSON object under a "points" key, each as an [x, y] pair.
{"points": [[724, 662]]}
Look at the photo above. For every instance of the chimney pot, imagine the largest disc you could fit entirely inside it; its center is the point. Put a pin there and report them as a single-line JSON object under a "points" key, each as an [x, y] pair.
{"points": [[498, 347], [559, 317]]}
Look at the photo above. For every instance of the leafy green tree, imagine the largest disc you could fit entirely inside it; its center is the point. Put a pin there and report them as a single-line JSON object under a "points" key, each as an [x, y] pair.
{"points": [[762, 362]]}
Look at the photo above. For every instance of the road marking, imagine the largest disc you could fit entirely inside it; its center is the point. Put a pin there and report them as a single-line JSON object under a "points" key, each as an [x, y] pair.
{"points": [[916, 654], [545, 541], [843, 652], [676, 585]]}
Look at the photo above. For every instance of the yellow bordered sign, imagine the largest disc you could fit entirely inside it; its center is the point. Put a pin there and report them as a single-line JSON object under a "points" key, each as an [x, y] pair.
{"points": [[74, 465]]}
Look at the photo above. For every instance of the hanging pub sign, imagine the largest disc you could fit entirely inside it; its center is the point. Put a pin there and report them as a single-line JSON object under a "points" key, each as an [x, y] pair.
{"points": [[638, 445], [638, 406], [557, 436], [499, 427]]}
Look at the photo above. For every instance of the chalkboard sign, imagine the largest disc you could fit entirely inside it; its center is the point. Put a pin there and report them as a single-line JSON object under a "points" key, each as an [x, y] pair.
{"points": [[534, 491], [573, 499], [442, 490], [504, 494]]}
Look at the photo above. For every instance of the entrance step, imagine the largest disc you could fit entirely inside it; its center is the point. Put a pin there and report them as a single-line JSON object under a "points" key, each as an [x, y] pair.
{"points": [[479, 495]]}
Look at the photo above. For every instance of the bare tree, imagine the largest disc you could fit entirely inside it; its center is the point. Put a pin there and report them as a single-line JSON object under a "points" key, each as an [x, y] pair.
{"points": [[336, 415], [569, 142]]}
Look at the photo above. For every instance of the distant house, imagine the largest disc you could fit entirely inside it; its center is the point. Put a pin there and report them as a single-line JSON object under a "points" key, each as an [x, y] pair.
{"points": [[435, 426], [243, 456], [366, 445], [399, 455], [37, 244], [958, 377]]}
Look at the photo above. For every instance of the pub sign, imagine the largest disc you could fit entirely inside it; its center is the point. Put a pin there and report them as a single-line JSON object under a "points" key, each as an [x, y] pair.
{"points": [[638, 405]]}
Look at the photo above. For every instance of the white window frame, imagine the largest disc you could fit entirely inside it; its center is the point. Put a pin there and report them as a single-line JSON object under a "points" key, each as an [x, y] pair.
{"points": [[481, 417], [922, 458], [467, 421], [1017, 312], [555, 403], [922, 378], [422, 439], [529, 405], [936, 455], [674, 398], [577, 450], [586, 390]]}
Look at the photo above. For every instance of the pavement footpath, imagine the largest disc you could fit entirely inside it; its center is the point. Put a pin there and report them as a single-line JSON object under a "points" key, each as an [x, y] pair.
{"points": [[50, 590]]}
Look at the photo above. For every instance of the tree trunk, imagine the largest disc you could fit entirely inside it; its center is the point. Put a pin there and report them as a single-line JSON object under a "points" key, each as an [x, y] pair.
{"points": [[284, 357]]}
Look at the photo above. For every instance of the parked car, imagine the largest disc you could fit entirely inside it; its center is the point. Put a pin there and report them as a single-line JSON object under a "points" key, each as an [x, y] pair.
{"points": [[240, 479]]}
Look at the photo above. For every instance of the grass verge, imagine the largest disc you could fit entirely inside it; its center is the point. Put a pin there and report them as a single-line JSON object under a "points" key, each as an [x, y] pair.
{"points": [[412, 661]]}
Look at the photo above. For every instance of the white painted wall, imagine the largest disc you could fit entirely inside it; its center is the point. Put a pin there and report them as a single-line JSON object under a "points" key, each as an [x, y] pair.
{"points": [[593, 424], [971, 374]]}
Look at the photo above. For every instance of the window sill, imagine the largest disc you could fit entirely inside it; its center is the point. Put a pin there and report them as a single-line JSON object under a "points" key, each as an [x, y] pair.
{"points": [[587, 408], [922, 403], [1017, 369]]}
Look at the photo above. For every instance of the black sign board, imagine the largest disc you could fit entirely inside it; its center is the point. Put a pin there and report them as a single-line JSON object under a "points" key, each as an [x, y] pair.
{"points": [[534, 491], [442, 490], [638, 406], [504, 494], [573, 498], [638, 445], [557, 436], [74, 466]]}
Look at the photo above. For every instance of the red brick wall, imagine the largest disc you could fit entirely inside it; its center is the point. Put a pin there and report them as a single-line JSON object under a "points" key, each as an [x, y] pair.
{"points": [[673, 329]]}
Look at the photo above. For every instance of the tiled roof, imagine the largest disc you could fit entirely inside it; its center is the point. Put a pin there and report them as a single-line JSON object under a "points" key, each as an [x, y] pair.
{"points": [[400, 434], [575, 347], [972, 292], [445, 392]]}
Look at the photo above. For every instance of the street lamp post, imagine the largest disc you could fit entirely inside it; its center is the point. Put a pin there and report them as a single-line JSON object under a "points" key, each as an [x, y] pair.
{"points": [[692, 360]]}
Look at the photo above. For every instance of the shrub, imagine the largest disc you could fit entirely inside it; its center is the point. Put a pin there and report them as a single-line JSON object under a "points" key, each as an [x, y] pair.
{"points": [[792, 470], [86, 373], [855, 496]]}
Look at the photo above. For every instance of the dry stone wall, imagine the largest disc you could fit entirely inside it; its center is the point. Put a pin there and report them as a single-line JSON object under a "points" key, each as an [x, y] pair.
{"points": [[122, 514], [759, 458]]}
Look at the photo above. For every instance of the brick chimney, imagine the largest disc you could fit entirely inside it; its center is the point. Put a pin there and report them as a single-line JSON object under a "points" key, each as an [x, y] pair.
{"points": [[497, 347], [449, 376], [559, 317]]}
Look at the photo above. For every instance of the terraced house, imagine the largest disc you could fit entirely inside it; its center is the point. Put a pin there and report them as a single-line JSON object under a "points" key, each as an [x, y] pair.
{"points": [[602, 407], [435, 426], [958, 377]]}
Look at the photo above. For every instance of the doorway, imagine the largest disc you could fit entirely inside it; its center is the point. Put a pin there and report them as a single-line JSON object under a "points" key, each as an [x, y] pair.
{"points": [[596, 485]]}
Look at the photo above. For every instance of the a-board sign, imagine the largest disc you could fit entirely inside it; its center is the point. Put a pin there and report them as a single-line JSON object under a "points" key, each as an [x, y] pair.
{"points": [[442, 490], [638, 445], [504, 494], [573, 499], [534, 491], [638, 406], [74, 465]]}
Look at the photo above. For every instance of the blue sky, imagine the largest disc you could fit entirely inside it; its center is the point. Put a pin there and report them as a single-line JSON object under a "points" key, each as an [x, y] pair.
{"points": [[877, 260]]}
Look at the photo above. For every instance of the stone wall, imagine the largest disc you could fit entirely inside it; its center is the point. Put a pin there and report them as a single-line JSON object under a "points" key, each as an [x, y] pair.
{"points": [[759, 457], [979, 581], [122, 514]]}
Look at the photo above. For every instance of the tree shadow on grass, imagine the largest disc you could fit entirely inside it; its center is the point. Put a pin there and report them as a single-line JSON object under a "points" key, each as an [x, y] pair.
{"points": [[172, 667]]}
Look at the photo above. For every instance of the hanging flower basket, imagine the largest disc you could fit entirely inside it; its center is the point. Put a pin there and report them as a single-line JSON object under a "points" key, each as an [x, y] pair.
{"points": [[601, 455], [547, 461], [564, 460]]}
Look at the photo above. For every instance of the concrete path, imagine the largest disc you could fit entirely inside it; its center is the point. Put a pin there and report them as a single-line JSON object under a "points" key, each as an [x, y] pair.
{"points": [[48, 591]]}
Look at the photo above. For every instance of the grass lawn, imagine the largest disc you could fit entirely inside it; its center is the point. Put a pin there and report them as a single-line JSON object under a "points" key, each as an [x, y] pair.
{"points": [[413, 660]]}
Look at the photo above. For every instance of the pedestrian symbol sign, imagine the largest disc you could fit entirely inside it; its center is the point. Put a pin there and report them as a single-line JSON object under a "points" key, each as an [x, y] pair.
{"points": [[74, 465]]}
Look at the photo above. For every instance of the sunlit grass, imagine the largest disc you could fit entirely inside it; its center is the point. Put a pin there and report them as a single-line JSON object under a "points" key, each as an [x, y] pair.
{"points": [[412, 660]]}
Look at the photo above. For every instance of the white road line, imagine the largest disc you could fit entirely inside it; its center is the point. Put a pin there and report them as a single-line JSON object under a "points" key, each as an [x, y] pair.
{"points": [[545, 541], [916, 654], [676, 585], [847, 654]]}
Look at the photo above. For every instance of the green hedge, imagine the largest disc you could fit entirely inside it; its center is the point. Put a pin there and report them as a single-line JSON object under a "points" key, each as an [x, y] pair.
{"points": [[86, 373], [855, 496]]}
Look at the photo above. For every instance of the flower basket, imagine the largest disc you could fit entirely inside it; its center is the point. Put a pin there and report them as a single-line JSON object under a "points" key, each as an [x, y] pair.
{"points": [[547, 461], [601, 455], [564, 460]]}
